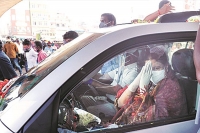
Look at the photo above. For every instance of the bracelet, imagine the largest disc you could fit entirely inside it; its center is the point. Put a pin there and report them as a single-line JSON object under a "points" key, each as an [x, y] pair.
{"points": [[159, 12], [89, 81]]}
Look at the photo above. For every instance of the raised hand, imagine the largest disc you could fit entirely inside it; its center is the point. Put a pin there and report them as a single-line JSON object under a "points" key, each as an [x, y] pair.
{"points": [[166, 9], [146, 75]]}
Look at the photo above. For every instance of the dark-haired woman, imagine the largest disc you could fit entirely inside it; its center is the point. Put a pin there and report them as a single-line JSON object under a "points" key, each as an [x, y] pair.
{"points": [[155, 93]]}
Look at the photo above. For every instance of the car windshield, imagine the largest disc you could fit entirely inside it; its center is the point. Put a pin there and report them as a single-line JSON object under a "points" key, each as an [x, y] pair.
{"points": [[18, 87]]}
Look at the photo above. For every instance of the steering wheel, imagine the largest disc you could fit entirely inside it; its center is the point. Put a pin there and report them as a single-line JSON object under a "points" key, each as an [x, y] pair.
{"points": [[93, 90]]}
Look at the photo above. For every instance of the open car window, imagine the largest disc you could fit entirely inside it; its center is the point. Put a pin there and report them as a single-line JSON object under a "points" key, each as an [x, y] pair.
{"points": [[145, 84]]}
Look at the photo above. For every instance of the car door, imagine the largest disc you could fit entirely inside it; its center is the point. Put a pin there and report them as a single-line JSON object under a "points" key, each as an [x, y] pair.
{"points": [[98, 105]]}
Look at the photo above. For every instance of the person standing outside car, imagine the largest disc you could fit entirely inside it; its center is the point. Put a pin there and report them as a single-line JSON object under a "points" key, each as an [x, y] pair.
{"points": [[48, 49], [11, 51], [6, 69], [164, 7], [21, 52], [107, 20], [30, 55], [69, 36], [41, 54], [197, 55]]}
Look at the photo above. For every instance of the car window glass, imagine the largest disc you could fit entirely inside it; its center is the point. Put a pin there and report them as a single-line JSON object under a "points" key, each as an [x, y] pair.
{"points": [[18, 87], [144, 84]]}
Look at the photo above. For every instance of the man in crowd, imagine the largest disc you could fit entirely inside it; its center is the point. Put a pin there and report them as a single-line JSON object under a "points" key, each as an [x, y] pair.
{"points": [[107, 20], [6, 69], [41, 54], [48, 49], [21, 52], [69, 36], [11, 51], [30, 54]]}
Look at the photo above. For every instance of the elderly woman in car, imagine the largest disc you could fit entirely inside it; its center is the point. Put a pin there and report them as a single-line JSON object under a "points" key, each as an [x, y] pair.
{"points": [[155, 93]]}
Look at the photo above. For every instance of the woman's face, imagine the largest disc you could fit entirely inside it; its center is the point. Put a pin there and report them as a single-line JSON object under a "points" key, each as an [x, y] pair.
{"points": [[156, 66], [158, 71]]}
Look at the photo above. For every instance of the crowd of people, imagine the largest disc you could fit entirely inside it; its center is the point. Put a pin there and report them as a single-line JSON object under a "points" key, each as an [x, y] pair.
{"points": [[16, 54], [28, 53], [155, 79]]}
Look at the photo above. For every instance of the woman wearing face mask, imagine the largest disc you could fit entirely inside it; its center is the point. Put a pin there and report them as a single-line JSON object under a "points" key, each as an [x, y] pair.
{"points": [[155, 93], [41, 54]]}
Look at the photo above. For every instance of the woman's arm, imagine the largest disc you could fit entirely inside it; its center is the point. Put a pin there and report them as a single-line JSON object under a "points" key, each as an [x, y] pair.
{"points": [[165, 9], [197, 55], [124, 98]]}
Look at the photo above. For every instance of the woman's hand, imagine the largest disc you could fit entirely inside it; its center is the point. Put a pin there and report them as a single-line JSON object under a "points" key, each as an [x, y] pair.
{"points": [[146, 75], [135, 84]]}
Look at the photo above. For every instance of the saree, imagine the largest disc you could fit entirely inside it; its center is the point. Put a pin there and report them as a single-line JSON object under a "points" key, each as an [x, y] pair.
{"points": [[164, 100]]}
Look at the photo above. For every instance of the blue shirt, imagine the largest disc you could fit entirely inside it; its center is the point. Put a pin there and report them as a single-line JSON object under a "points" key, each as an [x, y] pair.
{"points": [[110, 65], [48, 50]]}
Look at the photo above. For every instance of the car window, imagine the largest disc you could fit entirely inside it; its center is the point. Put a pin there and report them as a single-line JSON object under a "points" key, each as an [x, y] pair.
{"points": [[18, 87], [144, 84]]}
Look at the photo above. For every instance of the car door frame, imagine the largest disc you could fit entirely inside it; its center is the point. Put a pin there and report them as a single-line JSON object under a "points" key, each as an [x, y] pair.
{"points": [[117, 49]]}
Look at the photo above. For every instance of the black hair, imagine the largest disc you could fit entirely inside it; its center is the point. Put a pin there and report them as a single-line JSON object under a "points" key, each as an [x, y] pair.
{"points": [[17, 40], [110, 17], [38, 44], [70, 35], [26, 42], [162, 3], [8, 37], [162, 59]]}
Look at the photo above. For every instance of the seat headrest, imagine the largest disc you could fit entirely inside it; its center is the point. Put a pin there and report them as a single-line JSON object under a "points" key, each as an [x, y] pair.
{"points": [[182, 63]]}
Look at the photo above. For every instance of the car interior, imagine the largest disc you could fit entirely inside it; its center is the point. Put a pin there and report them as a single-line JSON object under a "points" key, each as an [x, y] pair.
{"points": [[101, 106]]}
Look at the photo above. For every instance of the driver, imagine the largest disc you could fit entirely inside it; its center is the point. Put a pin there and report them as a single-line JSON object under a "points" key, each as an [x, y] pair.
{"points": [[120, 77]]}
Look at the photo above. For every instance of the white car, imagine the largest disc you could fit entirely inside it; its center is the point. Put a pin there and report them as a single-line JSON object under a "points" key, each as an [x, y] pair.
{"points": [[45, 99]]}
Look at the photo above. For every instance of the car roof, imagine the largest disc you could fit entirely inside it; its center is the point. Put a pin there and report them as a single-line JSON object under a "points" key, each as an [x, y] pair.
{"points": [[47, 87]]}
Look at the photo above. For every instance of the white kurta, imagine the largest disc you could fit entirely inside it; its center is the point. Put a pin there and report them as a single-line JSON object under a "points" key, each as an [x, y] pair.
{"points": [[31, 57]]}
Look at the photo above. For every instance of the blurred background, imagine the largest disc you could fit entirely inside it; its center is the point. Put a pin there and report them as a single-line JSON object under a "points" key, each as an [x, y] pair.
{"points": [[50, 19]]}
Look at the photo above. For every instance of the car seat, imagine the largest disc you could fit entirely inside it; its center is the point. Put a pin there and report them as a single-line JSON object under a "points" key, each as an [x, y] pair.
{"points": [[183, 65]]}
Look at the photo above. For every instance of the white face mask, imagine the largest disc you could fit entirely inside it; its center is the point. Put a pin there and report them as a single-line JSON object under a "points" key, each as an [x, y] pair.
{"points": [[157, 76]]}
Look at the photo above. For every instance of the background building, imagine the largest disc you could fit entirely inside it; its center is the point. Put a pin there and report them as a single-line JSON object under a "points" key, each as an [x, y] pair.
{"points": [[51, 19]]}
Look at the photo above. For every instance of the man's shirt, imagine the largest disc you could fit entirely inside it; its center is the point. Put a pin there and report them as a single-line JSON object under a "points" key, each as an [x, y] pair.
{"points": [[31, 57], [124, 75], [110, 65], [41, 56], [6, 69], [11, 50], [48, 50]]}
